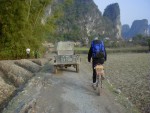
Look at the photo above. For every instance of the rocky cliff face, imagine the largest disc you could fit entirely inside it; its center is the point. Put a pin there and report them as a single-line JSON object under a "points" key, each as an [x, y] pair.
{"points": [[82, 19], [125, 31], [138, 27], [112, 12]]}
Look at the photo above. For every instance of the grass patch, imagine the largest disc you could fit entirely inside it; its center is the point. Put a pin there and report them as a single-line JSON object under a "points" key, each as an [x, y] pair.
{"points": [[138, 49]]}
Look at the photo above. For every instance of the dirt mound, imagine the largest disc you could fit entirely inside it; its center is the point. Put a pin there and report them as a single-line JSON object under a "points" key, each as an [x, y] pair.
{"points": [[29, 65], [41, 61], [6, 91], [15, 74]]}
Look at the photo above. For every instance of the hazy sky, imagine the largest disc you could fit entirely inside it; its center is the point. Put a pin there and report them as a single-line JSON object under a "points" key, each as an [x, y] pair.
{"points": [[130, 10]]}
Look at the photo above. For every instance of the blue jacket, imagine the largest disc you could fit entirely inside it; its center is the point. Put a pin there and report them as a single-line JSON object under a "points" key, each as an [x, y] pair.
{"points": [[97, 60]]}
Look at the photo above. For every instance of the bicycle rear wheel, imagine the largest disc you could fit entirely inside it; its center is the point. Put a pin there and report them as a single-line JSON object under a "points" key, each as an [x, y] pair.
{"points": [[99, 87]]}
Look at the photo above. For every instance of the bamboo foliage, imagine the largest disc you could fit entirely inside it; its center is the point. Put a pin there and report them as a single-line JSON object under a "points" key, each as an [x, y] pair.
{"points": [[20, 26]]}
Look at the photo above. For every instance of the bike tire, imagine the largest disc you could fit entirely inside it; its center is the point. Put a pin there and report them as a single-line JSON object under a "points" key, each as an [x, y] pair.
{"points": [[99, 90], [99, 87]]}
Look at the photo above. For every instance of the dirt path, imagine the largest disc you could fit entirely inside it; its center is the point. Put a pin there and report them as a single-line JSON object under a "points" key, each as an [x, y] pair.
{"points": [[65, 92]]}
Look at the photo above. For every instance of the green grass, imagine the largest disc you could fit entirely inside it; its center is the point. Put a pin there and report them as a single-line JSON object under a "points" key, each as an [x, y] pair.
{"points": [[81, 48], [137, 49]]}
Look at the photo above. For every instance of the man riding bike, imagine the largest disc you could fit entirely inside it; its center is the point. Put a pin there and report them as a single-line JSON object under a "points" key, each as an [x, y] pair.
{"points": [[98, 54]]}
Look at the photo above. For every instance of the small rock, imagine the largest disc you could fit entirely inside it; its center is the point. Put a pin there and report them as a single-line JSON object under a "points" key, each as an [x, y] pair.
{"points": [[118, 91]]}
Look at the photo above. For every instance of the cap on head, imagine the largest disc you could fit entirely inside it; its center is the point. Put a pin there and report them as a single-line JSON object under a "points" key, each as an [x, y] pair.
{"points": [[96, 38]]}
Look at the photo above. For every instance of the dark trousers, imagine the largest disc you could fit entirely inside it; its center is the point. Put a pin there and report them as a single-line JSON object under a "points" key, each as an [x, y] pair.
{"points": [[28, 55], [95, 62], [94, 74]]}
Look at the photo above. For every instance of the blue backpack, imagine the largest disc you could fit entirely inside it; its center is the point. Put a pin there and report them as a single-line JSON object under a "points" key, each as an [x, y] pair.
{"points": [[98, 50]]}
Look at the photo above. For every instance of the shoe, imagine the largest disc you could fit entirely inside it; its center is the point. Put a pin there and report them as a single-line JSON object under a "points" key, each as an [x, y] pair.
{"points": [[94, 86], [103, 78]]}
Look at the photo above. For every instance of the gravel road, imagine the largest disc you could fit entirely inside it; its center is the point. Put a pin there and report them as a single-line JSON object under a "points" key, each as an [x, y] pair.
{"points": [[64, 92]]}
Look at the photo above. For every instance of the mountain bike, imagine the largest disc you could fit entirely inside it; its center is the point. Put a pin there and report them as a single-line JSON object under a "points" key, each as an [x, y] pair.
{"points": [[99, 78]]}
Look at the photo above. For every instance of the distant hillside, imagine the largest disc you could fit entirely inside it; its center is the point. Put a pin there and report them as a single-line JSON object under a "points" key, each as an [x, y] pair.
{"points": [[125, 30], [138, 27], [82, 20]]}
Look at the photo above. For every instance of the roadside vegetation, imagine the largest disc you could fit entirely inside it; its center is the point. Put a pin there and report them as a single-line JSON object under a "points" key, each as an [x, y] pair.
{"points": [[24, 24]]}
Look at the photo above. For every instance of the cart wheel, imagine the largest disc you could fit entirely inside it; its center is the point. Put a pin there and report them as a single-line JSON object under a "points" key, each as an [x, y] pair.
{"points": [[55, 70], [77, 68]]}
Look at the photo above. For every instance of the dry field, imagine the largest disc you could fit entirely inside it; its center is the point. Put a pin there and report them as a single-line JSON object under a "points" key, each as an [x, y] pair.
{"points": [[130, 73]]}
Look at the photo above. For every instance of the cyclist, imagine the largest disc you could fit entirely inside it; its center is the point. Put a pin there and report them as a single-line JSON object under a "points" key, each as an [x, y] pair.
{"points": [[96, 59]]}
